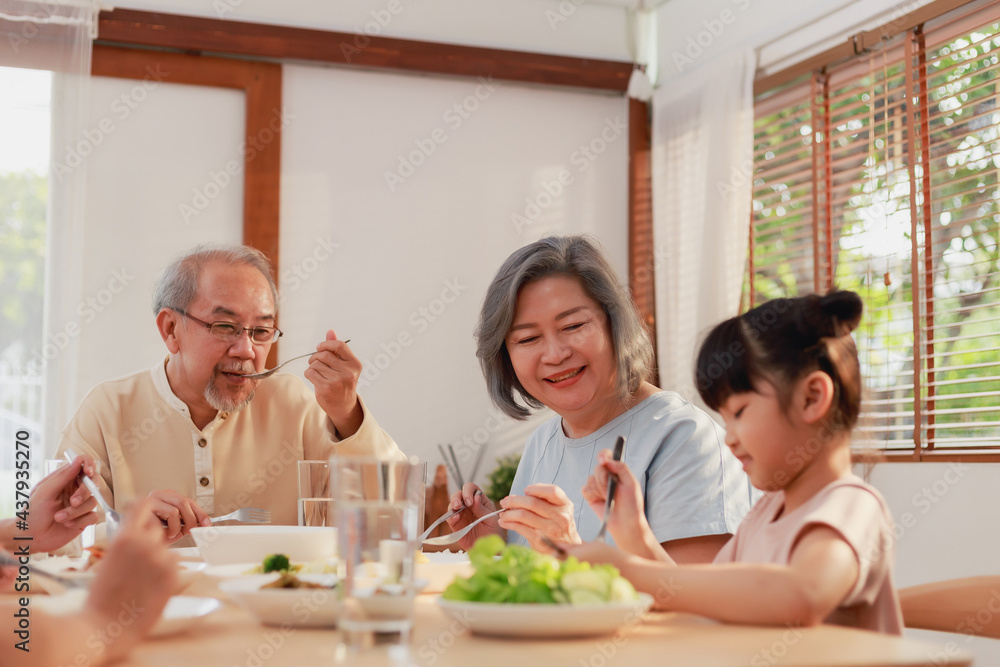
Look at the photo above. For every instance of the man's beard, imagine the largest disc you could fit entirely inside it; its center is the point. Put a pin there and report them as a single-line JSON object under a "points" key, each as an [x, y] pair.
{"points": [[223, 403]]}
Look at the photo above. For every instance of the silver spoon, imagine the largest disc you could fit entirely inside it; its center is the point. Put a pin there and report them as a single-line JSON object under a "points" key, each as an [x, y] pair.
{"points": [[111, 517], [271, 371]]}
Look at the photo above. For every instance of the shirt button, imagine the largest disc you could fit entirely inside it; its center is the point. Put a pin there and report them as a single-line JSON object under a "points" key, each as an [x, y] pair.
{"points": [[203, 442], [204, 481]]}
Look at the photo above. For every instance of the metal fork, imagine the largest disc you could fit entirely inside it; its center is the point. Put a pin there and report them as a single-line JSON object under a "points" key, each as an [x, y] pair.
{"points": [[243, 514], [246, 515], [444, 517], [112, 519], [612, 487], [451, 538]]}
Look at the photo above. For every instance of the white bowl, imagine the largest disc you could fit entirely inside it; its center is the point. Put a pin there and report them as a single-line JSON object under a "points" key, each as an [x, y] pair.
{"points": [[225, 545], [180, 613], [71, 568], [296, 607], [441, 569], [547, 620]]}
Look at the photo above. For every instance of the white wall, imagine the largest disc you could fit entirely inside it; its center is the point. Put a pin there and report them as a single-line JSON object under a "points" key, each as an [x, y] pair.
{"points": [[401, 268], [546, 26], [150, 146], [947, 521]]}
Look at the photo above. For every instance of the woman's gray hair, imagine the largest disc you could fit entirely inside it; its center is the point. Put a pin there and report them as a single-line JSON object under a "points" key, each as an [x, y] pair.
{"points": [[577, 257], [178, 283]]}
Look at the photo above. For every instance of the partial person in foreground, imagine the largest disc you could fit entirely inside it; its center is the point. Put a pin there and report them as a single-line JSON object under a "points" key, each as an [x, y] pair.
{"points": [[193, 433], [138, 573], [559, 329], [818, 547]]}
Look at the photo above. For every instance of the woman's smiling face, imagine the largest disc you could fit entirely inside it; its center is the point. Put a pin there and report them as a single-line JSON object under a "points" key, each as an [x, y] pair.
{"points": [[561, 348]]}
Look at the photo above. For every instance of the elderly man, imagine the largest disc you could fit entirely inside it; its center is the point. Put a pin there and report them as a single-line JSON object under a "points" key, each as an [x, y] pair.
{"points": [[197, 436]]}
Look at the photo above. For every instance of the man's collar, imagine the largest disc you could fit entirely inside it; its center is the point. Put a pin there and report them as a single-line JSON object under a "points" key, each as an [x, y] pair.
{"points": [[163, 387]]}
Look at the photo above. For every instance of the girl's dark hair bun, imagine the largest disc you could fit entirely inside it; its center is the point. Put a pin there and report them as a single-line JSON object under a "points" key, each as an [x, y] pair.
{"points": [[844, 307]]}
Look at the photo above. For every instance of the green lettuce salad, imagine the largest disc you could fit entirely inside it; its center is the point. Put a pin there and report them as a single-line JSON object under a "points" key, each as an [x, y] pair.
{"points": [[513, 573]]}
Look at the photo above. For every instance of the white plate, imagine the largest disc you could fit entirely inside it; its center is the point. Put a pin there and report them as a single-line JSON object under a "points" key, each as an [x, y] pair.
{"points": [[441, 569], [547, 620], [225, 545], [186, 553], [70, 568], [297, 607], [247, 569], [180, 613]]}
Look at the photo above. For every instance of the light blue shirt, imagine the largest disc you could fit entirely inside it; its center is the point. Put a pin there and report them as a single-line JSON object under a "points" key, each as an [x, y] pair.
{"points": [[692, 484]]}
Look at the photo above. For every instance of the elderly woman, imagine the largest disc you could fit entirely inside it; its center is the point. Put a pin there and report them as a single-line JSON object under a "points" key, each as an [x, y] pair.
{"points": [[558, 329]]}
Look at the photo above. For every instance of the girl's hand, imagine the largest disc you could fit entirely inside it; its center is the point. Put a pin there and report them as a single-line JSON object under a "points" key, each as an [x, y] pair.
{"points": [[137, 576], [543, 510], [61, 507], [597, 553], [627, 523]]}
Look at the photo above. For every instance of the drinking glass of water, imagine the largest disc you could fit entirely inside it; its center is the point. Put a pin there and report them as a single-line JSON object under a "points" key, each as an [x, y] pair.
{"points": [[315, 501], [379, 515]]}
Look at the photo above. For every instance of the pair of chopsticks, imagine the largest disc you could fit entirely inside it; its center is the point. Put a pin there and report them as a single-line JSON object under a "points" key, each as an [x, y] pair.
{"points": [[451, 463]]}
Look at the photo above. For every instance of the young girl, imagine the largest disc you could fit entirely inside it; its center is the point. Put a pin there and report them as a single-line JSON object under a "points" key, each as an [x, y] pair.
{"points": [[818, 546]]}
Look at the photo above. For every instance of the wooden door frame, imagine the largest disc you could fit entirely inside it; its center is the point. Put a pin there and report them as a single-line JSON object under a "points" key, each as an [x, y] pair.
{"points": [[261, 83]]}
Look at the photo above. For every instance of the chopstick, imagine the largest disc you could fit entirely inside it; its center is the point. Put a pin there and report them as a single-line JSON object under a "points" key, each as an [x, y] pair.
{"points": [[447, 464], [479, 459], [560, 552], [458, 469]]}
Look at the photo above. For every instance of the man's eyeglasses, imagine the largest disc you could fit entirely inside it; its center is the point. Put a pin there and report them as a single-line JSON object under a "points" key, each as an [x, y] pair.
{"points": [[230, 331]]}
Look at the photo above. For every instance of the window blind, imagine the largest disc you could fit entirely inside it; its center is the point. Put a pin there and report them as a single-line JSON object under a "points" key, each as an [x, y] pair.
{"points": [[878, 173]]}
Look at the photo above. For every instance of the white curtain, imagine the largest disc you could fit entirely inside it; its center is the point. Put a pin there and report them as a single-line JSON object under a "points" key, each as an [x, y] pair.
{"points": [[58, 36], [702, 176]]}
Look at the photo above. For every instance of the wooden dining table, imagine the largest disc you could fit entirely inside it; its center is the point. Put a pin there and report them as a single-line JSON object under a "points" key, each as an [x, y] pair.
{"points": [[232, 637]]}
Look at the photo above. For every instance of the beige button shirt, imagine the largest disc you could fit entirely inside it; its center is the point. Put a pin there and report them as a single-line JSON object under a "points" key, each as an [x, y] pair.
{"points": [[144, 437]]}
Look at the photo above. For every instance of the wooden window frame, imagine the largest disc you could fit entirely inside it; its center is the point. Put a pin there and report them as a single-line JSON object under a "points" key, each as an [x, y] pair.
{"points": [[187, 44], [910, 25]]}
